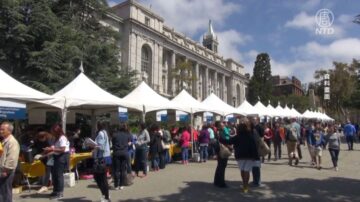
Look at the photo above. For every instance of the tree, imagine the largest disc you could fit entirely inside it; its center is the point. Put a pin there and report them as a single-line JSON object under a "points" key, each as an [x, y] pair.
{"points": [[260, 85], [342, 86], [183, 74], [300, 103], [42, 43]]}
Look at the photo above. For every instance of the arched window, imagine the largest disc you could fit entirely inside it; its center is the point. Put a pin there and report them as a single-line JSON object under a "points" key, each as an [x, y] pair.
{"points": [[238, 94], [146, 59], [146, 62]]}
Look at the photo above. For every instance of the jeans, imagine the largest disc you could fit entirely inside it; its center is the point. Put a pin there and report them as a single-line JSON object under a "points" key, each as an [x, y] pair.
{"points": [[334, 153], [268, 143], [204, 153], [119, 169], [6, 187], [219, 178], [350, 141], [277, 150], [185, 153], [131, 158], [102, 183], [57, 173], [141, 158], [167, 156], [211, 148], [256, 175], [155, 161], [44, 180]]}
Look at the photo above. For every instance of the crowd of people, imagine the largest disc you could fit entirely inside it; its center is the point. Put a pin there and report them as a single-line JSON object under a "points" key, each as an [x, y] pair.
{"points": [[122, 154]]}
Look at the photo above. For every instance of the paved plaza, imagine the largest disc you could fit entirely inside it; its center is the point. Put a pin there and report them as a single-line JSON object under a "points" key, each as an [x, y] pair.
{"points": [[193, 182]]}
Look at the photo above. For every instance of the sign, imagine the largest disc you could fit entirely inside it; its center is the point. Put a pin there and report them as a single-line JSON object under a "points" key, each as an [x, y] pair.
{"points": [[161, 116], [326, 96], [230, 118], [182, 116], [208, 117], [12, 110], [123, 114]]}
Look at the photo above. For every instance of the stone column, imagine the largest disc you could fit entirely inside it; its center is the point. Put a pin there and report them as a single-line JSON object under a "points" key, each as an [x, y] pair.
{"points": [[216, 84], [223, 88], [205, 82], [171, 70], [196, 81]]}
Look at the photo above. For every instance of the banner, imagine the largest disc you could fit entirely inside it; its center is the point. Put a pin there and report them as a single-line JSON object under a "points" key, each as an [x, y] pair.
{"points": [[161, 116], [12, 110], [182, 116], [208, 117], [230, 118], [123, 114]]}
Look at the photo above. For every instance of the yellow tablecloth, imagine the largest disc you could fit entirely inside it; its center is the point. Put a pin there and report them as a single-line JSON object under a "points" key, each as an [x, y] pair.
{"points": [[175, 149], [37, 168]]}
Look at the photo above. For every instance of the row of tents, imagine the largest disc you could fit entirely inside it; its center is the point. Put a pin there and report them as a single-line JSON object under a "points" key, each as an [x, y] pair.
{"points": [[82, 93]]}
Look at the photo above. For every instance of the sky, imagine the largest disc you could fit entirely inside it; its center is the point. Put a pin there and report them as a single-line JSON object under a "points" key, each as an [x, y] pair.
{"points": [[285, 29]]}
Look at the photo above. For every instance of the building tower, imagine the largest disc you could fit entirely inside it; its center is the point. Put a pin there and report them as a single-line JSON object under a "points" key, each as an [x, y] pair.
{"points": [[210, 39]]}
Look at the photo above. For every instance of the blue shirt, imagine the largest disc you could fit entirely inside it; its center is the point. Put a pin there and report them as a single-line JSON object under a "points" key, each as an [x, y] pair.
{"points": [[349, 130], [102, 140]]}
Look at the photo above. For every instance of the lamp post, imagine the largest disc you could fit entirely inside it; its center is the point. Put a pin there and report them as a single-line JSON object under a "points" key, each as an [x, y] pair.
{"points": [[234, 100]]}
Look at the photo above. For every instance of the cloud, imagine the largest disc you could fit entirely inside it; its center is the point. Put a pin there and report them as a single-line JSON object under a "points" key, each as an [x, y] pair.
{"points": [[192, 16], [310, 4], [307, 22], [229, 43]]}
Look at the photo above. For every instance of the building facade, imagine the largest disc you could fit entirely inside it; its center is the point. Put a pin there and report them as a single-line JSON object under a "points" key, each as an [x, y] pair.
{"points": [[286, 86], [155, 51]]}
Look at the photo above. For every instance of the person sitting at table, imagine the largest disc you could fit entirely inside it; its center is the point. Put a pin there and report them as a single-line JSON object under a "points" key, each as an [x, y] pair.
{"points": [[42, 140], [60, 152]]}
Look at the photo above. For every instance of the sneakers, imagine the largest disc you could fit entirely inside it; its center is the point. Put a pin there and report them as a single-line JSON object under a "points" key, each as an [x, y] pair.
{"points": [[336, 169], [245, 190], [57, 196], [121, 188], [42, 190]]}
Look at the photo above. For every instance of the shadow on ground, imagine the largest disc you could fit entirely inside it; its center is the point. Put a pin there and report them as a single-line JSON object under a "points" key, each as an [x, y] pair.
{"points": [[303, 189]]}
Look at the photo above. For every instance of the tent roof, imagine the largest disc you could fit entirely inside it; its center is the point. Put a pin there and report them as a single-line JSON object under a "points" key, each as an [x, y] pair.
{"points": [[82, 92], [188, 103], [280, 111], [246, 109], [296, 113], [272, 110], [143, 95], [263, 111], [13, 90], [218, 106]]}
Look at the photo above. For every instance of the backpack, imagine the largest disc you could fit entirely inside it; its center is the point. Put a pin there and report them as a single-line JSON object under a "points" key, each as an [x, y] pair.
{"points": [[293, 134]]}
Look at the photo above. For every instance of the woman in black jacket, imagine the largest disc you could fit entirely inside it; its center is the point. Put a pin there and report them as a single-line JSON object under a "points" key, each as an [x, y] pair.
{"points": [[121, 141], [155, 147], [245, 150]]}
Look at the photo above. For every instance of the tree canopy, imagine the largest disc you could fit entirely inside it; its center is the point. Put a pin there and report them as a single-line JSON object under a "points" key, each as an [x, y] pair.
{"points": [[260, 85], [43, 42]]}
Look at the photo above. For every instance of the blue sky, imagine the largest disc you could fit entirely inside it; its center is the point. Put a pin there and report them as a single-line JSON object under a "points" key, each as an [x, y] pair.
{"points": [[285, 29]]}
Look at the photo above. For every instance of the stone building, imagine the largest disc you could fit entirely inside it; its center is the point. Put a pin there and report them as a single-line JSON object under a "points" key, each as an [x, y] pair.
{"points": [[154, 50]]}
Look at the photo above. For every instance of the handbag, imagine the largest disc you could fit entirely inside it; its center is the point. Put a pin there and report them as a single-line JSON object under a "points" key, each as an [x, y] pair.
{"points": [[263, 149], [224, 151]]}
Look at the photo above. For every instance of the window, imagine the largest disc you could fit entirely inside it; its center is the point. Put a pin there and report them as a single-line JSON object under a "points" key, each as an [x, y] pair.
{"points": [[145, 58], [147, 21]]}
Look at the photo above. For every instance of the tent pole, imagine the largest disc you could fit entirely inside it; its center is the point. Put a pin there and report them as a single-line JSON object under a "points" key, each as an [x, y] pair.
{"points": [[192, 133], [143, 114], [93, 124], [63, 118]]}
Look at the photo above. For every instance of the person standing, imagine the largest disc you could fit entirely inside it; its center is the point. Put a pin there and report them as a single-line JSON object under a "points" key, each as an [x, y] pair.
{"points": [[101, 154], [155, 147], [141, 151], [258, 133], [332, 140], [350, 132], [223, 138], [277, 142], [8, 161], [204, 139], [310, 141], [291, 143], [297, 126], [60, 150], [319, 143], [121, 141], [268, 137], [185, 143], [246, 152]]}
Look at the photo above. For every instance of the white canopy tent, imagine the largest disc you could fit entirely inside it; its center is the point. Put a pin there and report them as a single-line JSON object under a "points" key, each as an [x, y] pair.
{"points": [[188, 103], [13, 90], [280, 112], [271, 110], [218, 106], [288, 112], [82, 93], [146, 100], [247, 109], [262, 110], [295, 112]]}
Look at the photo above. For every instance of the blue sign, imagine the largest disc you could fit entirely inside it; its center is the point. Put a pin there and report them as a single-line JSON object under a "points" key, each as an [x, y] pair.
{"points": [[12, 113], [183, 117], [232, 119], [209, 119], [123, 116], [163, 117]]}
